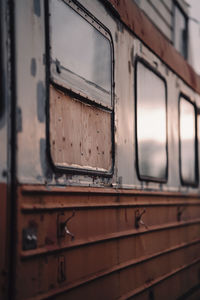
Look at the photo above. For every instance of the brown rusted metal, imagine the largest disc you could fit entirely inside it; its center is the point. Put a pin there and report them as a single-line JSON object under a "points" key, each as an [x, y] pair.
{"points": [[141, 26], [164, 285], [3, 241], [125, 272], [35, 189], [127, 243], [107, 247], [41, 200]]}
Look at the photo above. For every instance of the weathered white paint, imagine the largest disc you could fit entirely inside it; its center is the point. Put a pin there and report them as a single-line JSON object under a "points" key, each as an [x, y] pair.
{"points": [[31, 158]]}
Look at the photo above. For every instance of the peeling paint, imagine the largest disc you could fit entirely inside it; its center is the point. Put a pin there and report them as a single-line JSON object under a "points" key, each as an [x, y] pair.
{"points": [[120, 26], [120, 180], [166, 71], [41, 101], [129, 66], [36, 8], [46, 169], [19, 119], [116, 37], [33, 67], [132, 56]]}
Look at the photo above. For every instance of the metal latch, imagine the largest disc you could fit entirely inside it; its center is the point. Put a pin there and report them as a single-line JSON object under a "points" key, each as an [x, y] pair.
{"points": [[29, 238], [62, 226], [138, 219]]}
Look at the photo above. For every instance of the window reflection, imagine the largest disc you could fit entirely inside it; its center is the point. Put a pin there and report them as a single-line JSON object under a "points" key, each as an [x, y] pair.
{"points": [[151, 124], [187, 141], [79, 47]]}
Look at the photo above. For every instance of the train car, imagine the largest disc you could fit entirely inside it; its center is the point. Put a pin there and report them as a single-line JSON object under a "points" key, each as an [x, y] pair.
{"points": [[99, 172]]}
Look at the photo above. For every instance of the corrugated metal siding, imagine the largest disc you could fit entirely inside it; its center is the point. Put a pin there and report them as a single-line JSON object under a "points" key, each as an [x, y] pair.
{"points": [[160, 13], [168, 4], [109, 257]]}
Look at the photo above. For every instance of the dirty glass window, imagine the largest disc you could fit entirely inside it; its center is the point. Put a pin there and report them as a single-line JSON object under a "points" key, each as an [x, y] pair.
{"points": [[80, 130], [188, 141], [80, 52], [180, 31], [151, 130]]}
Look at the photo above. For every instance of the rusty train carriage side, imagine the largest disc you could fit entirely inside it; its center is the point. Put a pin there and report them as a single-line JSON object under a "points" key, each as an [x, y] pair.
{"points": [[110, 256], [86, 226]]}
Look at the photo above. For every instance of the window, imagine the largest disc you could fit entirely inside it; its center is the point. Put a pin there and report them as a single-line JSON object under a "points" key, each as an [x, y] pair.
{"points": [[151, 124], [80, 104], [188, 142], [180, 30], [81, 54]]}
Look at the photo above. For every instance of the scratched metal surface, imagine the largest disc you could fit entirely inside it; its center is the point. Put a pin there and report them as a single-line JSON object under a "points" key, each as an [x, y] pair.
{"points": [[110, 243], [33, 164]]}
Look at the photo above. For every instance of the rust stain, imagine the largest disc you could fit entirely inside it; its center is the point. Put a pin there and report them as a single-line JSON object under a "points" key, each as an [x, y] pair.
{"points": [[80, 134], [106, 242]]}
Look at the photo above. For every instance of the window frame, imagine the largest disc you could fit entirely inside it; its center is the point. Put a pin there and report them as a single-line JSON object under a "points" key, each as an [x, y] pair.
{"points": [[196, 169], [62, 81], [157, 73], [79, 97]]}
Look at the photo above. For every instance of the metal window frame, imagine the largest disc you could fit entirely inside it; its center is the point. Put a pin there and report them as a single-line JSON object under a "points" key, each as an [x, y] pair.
{"points": [[156, 72], [196, 168], [59, 73], [82, 98]]}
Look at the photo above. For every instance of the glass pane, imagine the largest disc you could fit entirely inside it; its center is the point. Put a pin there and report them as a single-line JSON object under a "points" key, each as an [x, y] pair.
{"points": [[79, 47], [151, 124], [187, 140], [180, 30]]}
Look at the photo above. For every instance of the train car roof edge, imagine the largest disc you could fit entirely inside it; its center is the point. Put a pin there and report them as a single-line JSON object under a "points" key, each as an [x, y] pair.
{"points": [[132, 16]]}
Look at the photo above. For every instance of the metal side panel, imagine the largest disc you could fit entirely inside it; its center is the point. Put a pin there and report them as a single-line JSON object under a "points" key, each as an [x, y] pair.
{"points": [[90, 242], [31, 90]]}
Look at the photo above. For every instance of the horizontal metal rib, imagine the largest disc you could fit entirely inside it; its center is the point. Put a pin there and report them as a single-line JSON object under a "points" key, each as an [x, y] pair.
{"points": [[158, 280], [121, 266], [33, 208], [42, 189], [103, 238], [195, 289]]}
